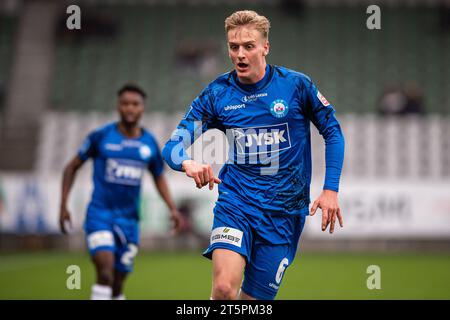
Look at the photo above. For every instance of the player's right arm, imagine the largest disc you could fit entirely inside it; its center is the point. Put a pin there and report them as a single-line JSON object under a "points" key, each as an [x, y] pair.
{"points": [[68, 178], [88, 149], [201, 173], [199, 118]]}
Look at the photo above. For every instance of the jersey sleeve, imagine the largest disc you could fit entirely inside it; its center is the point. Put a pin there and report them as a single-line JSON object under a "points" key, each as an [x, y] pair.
{"points": [[156, 164], [89, 147], [199, 118], [322, 114]]}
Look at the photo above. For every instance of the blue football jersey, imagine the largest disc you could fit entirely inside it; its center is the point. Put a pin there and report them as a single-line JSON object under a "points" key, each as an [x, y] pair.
{"points": [[267, 125], [119, 164]]}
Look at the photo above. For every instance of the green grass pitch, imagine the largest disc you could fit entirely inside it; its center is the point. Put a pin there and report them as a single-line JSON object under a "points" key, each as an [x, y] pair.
{"points": [[187, 275]]}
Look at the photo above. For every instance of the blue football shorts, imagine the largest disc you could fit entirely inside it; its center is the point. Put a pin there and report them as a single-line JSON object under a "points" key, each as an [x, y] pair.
{"points": [[267, 241], [120, 236]]}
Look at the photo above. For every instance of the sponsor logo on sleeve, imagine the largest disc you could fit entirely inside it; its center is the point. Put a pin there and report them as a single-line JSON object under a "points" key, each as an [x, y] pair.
{"points": [[322, 99]]}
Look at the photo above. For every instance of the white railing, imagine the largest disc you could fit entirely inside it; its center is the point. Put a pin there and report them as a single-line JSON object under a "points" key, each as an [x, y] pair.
{"points": [[376, 147]]}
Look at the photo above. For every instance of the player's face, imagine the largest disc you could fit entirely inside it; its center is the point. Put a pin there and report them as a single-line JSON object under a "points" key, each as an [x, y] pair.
{"points": [[130, 107], [247, 49]]}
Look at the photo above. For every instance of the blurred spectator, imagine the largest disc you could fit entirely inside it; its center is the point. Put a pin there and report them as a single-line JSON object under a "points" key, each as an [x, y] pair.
{"points": [[399, 101], [414, 99], [392, 101]]}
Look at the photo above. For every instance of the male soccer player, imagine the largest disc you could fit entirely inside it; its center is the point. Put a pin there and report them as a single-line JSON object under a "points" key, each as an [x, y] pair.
{"points": [[121, 152], [265, 111]]}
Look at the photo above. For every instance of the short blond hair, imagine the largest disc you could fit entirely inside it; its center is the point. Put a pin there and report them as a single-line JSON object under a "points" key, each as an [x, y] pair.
{"points": [[246, 17]]}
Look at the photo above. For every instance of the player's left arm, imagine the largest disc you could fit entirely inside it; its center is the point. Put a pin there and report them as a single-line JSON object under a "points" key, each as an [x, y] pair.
{"points": [[322, 114], [156, 168]]}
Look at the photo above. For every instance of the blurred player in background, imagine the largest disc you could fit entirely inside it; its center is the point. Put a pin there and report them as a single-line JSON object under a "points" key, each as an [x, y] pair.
{"points": [[265, 111], [122, 151]]}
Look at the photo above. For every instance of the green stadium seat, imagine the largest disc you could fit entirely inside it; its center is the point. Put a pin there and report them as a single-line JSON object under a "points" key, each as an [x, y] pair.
{"points": [[353, 65]]}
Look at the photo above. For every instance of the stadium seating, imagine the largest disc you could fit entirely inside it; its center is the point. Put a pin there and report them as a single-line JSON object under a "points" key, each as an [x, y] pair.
{"points": [[351, 64], [7, 28]]}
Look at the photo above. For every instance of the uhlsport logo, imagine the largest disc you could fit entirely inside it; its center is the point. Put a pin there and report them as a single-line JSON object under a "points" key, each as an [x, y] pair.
{"points": [[279, 108], [260, 140], [234, 107]]}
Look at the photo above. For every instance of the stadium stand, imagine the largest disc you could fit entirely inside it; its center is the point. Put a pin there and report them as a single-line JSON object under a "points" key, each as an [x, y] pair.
{"points": [[28, 85], [7, 27], [350, 63]]}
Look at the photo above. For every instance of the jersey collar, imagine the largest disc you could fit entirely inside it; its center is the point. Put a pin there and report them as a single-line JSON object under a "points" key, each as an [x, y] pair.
{"points": [[261, 84]]}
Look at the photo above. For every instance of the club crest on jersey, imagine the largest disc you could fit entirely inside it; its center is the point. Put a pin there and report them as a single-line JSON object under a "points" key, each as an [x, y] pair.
{"points": [[279, 108], [144, 152], [260, 140]]}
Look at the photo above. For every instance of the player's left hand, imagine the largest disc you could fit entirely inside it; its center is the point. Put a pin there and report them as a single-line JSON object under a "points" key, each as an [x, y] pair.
{"points": [[328, 202], [177, 220]]}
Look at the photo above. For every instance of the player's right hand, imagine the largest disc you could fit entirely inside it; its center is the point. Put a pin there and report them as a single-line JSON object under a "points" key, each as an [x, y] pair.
{"points": [[65, 223], [201, 173]]}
